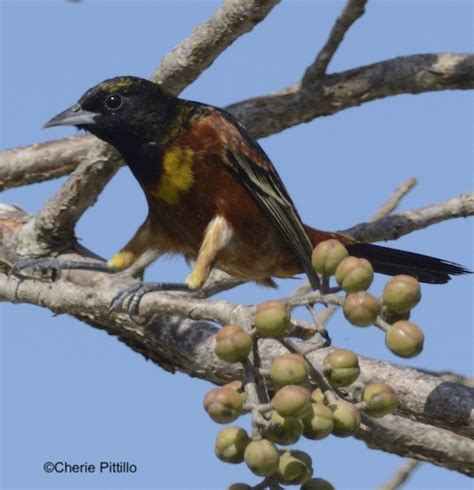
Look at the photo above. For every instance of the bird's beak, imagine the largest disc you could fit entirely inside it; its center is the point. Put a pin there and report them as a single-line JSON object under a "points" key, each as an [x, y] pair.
{"points": [[74, 116]]}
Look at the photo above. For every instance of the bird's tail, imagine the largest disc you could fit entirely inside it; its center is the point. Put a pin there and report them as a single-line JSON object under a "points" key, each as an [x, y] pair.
{"points": [[391, 261]]}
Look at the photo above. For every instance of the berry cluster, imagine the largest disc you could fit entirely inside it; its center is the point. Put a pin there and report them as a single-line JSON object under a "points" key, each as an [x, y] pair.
{"points": [[293, 399]]}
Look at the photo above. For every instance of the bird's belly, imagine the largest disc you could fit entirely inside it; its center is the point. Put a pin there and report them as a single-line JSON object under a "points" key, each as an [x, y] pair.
{"points": [[258, 260], [256, 251]]}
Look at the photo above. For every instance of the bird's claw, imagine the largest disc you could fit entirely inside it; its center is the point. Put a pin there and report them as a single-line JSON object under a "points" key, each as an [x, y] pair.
{"points": [[135, 293], [42, 268]]}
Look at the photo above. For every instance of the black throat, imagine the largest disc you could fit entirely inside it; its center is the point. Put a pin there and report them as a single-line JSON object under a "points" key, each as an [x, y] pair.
{"points": [[144, 160]]}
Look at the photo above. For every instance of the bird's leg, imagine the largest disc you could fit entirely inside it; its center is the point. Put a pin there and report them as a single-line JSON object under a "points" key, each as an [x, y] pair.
{"points": [[51, 268], [139, 252], [218, 234], [136, 253]]}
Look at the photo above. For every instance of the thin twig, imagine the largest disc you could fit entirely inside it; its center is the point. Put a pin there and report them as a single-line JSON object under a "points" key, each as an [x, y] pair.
{"points": [[394, 200], [326, 314], [401, 476], [351, 12], [396, 225], [314, 372]]}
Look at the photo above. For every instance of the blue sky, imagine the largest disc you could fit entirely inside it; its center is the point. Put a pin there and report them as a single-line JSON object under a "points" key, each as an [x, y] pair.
{"points": [[72, 393]]}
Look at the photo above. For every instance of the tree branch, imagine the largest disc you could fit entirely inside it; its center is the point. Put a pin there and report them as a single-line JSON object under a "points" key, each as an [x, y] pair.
{"points": [[43, 161], [420, 441], [52, 229], [335, 92], [187, 346], [352, 11], [396, 225], [273, 113], [181, 66], [440, 402]]}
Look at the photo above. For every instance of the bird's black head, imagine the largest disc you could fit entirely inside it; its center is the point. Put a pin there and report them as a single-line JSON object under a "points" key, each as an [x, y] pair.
{"points": [[124, 111]]}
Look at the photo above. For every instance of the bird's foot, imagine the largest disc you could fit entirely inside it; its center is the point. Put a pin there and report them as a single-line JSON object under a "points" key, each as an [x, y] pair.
{"points": [[50, 268], [136, 292]]}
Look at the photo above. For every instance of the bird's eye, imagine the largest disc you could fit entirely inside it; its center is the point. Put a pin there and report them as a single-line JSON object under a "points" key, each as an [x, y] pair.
{"points": [[113, 102]]}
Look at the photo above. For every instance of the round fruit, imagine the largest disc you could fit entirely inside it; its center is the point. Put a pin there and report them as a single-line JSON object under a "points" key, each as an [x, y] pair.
{"points": [[361, 308], [223, 405], [327, 255], [404, 339], [283, 430], [230, 444], [271, 319], [319, 423], [380, 399], [261, 457], [292, 400], [354, 274], [401, 293], [294, 467], [344, 366], [346, 418], [233, 344], [289, 369], [236, 385]]}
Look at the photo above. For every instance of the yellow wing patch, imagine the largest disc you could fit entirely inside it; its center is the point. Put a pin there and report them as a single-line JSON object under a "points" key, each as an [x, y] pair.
{"points": [[177, 175]]}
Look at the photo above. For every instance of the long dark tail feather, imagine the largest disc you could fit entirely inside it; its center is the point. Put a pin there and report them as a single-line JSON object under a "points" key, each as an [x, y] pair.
{"points": [[391, 261]]}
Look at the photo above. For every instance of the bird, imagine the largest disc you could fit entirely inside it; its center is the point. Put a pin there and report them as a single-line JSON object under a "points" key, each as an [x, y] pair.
{"points": [[213, 194]]}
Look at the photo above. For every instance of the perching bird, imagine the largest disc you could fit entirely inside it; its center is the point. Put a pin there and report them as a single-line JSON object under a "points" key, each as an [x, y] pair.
{"points": [[213, 194]]}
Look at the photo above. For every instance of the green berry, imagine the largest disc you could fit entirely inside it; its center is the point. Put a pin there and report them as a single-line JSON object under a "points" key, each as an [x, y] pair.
{"points": [[361, 308], [292, 401], [230, 444], [354, 274], [271, 319], [319, 423], [294, 467], [261, 457], [327, 255], [283, 430], [401, 293], [346, 418], [344, 366], [404, 339], [289, 369], [233, 344], [223, 404], [380, 399]]}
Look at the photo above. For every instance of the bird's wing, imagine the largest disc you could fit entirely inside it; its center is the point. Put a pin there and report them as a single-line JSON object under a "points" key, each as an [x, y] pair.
{"points": [[246, 158]]}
